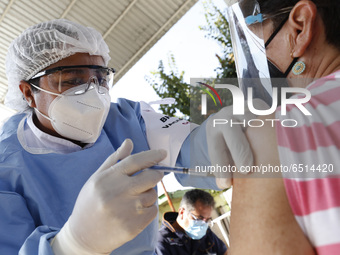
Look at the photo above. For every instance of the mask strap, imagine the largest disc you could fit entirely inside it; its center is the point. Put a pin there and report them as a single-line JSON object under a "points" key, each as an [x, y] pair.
{"points": [[291, 66], [46, 117], [46, 91], [276, 31], [272, 37]]}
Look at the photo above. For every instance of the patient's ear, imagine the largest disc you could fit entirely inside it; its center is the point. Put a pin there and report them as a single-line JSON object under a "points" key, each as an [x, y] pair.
{"points": [[27, 92], [302, 23]]}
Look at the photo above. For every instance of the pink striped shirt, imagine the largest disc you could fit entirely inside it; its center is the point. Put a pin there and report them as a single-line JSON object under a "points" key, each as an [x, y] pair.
{"points": [[313, 148]]}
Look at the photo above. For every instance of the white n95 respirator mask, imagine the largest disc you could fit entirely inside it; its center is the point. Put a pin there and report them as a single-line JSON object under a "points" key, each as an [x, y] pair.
{"points": [[79, 117]]}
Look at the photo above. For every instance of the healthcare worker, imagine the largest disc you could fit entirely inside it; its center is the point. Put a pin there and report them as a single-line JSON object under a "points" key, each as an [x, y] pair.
{"points": [[292, 203], [68, 159]]}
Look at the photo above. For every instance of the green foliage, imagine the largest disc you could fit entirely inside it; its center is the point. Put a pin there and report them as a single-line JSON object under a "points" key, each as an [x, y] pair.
{"points": [[188, 98], [171, 85], [217, 28]]}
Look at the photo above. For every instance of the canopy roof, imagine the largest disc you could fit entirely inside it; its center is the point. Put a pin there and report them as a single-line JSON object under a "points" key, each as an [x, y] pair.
{"points": [[129, 27]]}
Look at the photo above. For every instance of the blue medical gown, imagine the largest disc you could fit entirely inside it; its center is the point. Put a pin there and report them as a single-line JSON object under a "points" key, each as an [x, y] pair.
{"points": [[38, 191]]}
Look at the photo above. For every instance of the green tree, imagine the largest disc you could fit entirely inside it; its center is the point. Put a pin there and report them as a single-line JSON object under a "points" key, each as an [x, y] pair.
{"points": [[171, 84], [217, 29]]}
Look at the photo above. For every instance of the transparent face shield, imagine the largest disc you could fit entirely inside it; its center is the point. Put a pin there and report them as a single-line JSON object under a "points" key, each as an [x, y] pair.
{"points": [[246, 28]]}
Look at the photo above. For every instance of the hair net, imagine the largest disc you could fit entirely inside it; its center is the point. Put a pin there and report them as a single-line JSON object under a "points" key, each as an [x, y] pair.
{"points": [[44, 44]]}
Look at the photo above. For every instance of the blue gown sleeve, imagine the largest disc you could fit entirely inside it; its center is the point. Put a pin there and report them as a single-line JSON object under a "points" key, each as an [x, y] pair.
{"points": [[193, 153], [18, 231]]}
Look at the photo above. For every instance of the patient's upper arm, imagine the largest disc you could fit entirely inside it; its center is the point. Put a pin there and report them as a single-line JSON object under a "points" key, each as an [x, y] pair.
{"points": [[261, 219]]}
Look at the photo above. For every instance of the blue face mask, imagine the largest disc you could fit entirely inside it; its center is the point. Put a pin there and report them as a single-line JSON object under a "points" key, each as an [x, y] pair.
{"points": [[196, 229]]}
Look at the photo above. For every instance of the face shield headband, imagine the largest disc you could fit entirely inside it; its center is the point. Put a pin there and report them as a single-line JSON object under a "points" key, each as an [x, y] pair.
{"points": [[253, 68]]}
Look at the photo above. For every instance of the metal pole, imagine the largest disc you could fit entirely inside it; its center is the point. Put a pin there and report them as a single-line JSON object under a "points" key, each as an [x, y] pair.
{"points": [[168, 197]]}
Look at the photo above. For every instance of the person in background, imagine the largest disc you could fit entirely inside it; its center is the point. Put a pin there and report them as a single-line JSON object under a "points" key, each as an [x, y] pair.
{"points": [[187, 232]]}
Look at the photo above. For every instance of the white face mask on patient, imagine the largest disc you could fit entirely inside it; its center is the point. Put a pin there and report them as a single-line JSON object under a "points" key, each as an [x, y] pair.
{"points": [[78, 117]]}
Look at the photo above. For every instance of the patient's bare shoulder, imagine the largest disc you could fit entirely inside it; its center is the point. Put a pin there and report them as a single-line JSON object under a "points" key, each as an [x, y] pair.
{"points": [[261, 218]]}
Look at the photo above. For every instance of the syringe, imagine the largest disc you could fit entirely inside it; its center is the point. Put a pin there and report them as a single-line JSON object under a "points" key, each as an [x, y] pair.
{"points": [[178, 170]]}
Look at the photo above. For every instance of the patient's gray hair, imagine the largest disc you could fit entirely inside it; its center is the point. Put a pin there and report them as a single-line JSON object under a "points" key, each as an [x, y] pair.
{"points": [[191, 197]]}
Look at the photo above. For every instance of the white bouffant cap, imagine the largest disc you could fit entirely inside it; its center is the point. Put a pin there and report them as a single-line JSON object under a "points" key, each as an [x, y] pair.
{"points": [[44, 44]]}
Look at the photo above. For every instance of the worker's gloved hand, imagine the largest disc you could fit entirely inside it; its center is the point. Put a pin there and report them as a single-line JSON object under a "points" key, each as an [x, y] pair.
{"points": [[227, 143], [113, 206]]}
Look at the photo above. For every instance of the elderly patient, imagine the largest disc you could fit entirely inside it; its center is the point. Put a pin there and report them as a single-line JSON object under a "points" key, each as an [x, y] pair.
{"points": [[297, 211]]}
